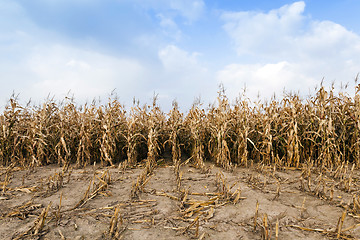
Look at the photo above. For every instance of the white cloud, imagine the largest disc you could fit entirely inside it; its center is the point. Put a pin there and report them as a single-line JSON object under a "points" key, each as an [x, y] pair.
{"points": [[265, 32], [172, 13], [35, 62], [280, 48], [189, 10], [263, 79], [185, 77], [166, 22], [285, 48], [175, 59], [58, 69], [170, 28]]}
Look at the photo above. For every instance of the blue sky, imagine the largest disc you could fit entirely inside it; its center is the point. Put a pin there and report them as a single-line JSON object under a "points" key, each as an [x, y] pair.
{"points": [[178, 49]]}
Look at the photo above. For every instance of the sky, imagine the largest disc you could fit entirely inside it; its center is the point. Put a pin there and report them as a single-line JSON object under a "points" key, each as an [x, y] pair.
{"points": [[175, 49]]}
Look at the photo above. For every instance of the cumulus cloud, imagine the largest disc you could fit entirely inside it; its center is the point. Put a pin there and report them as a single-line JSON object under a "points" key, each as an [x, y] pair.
{"points": [[190, 10], [172, 14], [58, 69], [184, 76], [263, 80], [265, 32], [177, 60], [288, 49], [272, 50], [170, 28], [35, 62]]}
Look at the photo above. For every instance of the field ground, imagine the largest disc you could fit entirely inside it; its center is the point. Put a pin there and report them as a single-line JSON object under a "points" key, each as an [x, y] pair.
{"points": [[257, 202]]}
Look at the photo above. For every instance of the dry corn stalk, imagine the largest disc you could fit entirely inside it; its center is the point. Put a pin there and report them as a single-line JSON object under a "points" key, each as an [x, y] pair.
{"points": [[38, 224], [115, 224], [256, 215], [266, 231], [323, 130]]}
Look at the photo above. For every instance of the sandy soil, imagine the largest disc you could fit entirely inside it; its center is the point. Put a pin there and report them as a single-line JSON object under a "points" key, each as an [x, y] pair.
{"points": [[245, 203]]}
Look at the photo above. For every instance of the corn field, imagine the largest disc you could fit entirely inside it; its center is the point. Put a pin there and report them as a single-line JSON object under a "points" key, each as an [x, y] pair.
{"points": [[321, 130]]}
